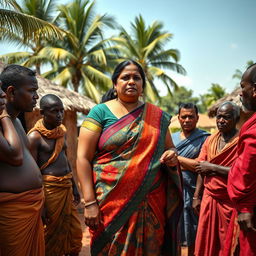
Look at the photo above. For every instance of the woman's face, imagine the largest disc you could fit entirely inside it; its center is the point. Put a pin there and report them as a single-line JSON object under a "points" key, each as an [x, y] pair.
{"points": [[129, 84]]}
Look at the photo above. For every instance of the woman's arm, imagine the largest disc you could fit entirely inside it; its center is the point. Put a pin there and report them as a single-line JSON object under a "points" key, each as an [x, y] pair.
{"points": [[10, 146], [169, 157], [87, 145]]}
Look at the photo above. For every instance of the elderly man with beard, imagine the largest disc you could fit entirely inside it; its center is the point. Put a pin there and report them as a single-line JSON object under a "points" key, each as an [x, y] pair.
{"points": [[214, 162]]}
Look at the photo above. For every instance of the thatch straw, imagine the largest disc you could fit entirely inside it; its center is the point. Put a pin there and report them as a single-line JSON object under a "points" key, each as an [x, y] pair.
{"points": [[71, 100], [233, 96]]}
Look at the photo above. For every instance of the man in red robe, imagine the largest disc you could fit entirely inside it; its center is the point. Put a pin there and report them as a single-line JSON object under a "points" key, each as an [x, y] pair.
{"points": [[214, 162], [242, 176]]}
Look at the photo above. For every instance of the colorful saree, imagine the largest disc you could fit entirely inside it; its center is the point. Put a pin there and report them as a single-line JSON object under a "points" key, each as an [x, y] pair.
{"points": [[140, 202]]}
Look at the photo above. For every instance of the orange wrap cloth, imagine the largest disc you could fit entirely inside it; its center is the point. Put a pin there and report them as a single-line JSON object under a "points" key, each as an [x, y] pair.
{"points": [[63, 235], [58, 133], [21, 227], [216, 207]]}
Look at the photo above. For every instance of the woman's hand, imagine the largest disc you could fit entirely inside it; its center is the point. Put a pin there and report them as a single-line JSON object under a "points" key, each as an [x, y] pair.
{"points": [[169, 157], [92, 216]]}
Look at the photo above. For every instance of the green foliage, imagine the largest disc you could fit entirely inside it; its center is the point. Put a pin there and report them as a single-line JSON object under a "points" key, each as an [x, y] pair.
{"points": [[238, 73], [147, 45], [26, 26], [215, 92], [80, 59], [170, 103]]}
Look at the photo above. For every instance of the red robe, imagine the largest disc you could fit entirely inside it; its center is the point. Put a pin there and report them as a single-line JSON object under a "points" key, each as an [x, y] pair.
{"points": [[216, 208], [242, 185]]}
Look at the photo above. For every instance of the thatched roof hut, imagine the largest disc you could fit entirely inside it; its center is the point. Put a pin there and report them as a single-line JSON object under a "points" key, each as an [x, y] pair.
{"points": [[73, 102], [234, 97]]}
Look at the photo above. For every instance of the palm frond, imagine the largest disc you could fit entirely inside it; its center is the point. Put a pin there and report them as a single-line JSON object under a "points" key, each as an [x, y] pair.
{"points": [[90, 89], [63, 77], [29, 26], [56, 54], [15, 57]]}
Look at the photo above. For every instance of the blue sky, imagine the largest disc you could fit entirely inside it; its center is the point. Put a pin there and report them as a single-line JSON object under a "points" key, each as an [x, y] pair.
{"points": [[214, 37]]}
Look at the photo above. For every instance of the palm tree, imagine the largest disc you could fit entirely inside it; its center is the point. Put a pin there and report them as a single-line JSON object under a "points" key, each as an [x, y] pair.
{"points": [[214, 93], [146, 45], [15, 23], [40, 9], [238, 73], [80, 59]]}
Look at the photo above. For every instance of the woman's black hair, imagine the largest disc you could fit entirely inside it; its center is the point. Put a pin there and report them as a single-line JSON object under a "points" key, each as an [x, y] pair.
{"points": [[120, 67], [110, 94]]}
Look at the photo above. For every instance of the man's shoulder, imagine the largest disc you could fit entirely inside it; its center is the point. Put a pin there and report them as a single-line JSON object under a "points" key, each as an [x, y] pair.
{"points": [[203, 132], [35, 136]]}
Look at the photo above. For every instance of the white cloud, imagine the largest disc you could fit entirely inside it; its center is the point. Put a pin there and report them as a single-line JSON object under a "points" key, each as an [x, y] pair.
{"points": [[233, 46]]}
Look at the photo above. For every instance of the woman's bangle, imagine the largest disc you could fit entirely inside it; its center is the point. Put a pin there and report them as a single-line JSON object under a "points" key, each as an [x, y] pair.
{"points": [[4, 115], [90, 203], [195, 197]]}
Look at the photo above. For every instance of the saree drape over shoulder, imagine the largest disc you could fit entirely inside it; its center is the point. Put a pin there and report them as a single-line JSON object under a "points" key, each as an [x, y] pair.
{"points": [[140, 202], [216, 208], [189, 147], [21, 227], [242, 190]]}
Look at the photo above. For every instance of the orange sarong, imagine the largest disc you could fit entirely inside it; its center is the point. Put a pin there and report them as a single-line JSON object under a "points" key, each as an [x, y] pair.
{"points": [[21, 228], [63, 234]]}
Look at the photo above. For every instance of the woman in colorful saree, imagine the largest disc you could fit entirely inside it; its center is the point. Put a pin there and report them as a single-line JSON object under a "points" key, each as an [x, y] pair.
{"points": [[127, 168]]}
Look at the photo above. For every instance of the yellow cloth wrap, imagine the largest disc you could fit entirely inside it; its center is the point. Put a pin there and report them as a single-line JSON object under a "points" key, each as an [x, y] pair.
{"points": [[91, 125], [63, 234], [57, 134]]}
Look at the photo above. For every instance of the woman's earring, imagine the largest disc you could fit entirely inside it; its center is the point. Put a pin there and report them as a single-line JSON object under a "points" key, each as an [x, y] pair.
{"points": [[115, 93]]}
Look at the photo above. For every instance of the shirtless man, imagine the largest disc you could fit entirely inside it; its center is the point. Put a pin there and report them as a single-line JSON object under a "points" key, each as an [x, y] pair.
{"points": [[21, 193], [10, 146], [63, 233]]}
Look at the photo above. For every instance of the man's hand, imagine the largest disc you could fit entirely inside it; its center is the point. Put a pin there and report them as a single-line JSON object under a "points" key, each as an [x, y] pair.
{"points": [[196, 205], [245, 221], [45, 217], [205, 168], [77, 198]]}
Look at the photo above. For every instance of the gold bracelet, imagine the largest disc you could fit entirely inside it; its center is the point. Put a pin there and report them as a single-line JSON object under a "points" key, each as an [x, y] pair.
{"points": [[5, 115], [90, 203]]}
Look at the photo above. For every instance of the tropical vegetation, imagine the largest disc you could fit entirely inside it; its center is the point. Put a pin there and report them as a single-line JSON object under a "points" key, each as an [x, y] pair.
{"points": [[147, 45], [83, 59]]}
